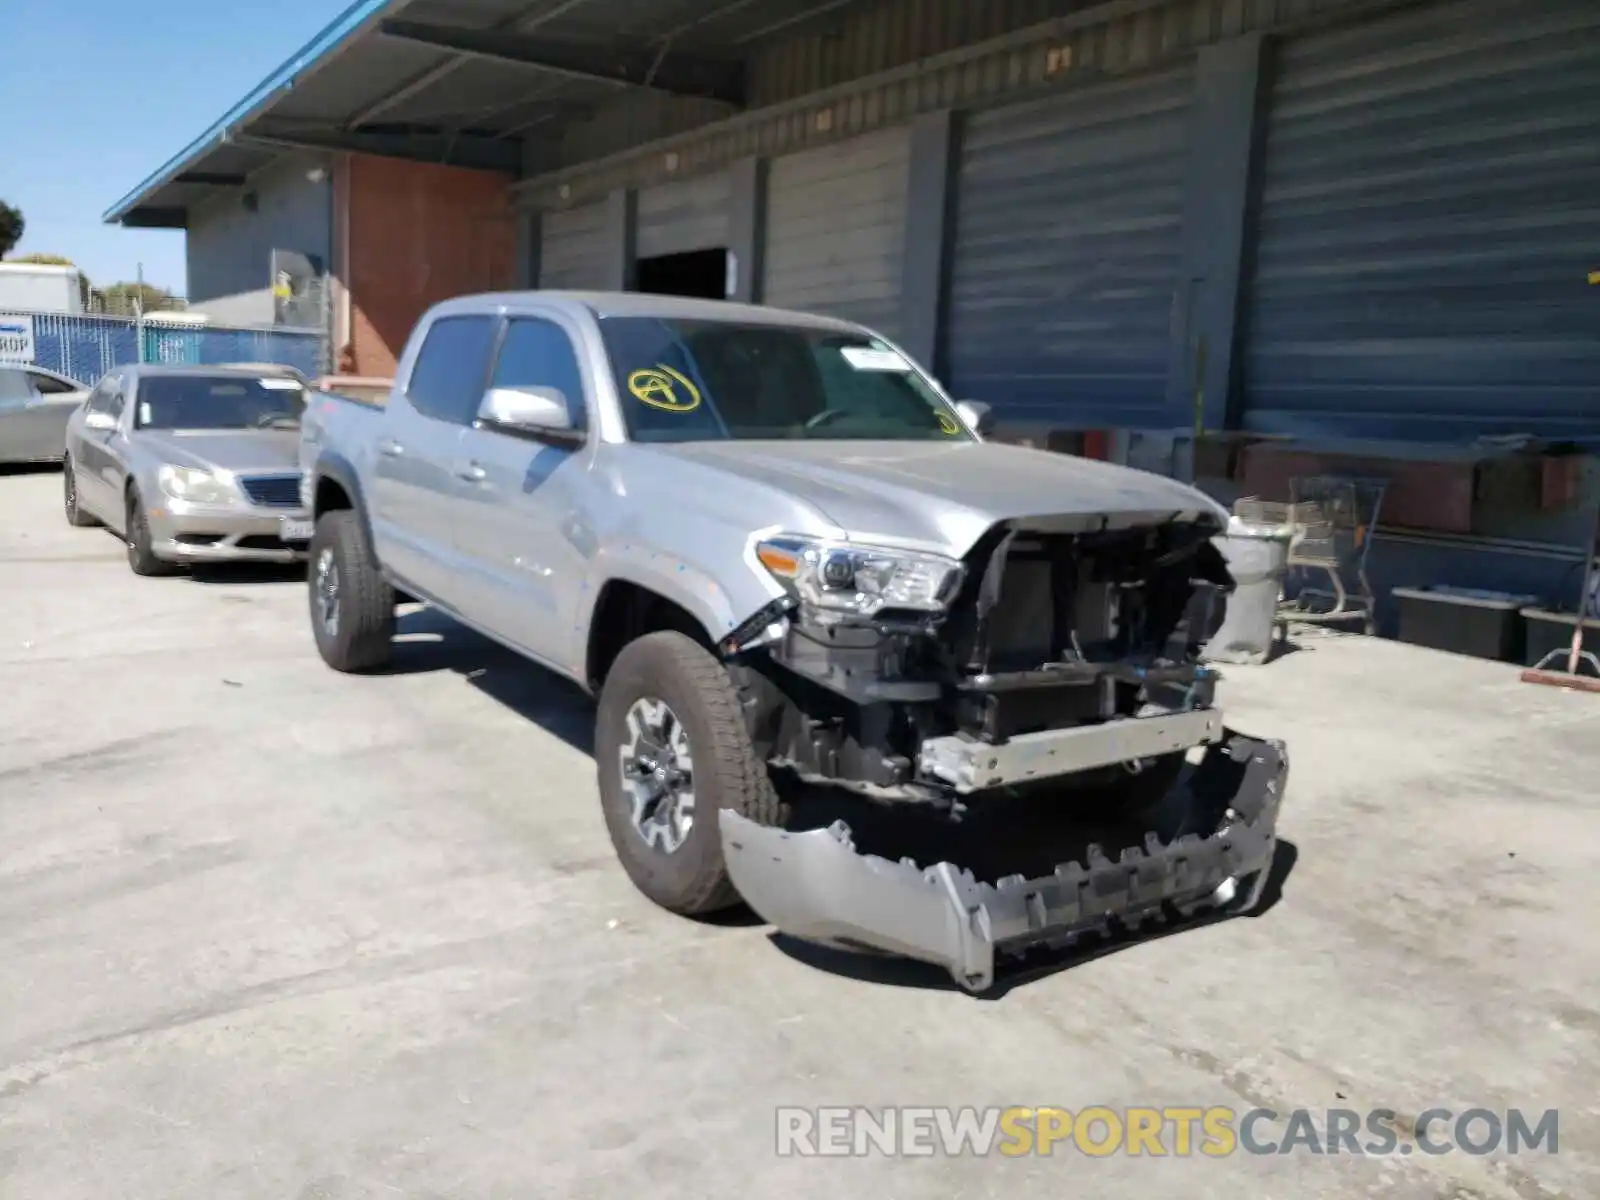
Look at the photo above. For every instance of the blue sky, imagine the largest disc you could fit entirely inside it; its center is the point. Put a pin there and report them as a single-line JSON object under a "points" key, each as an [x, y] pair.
{"points": [[99, 93]]}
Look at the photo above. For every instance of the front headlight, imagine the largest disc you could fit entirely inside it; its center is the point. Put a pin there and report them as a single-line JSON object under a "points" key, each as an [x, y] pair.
{"points": [[194, 485], [845, 579]]}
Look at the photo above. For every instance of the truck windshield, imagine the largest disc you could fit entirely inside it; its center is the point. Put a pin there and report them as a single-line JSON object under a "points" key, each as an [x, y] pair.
{"points": [[219, 402], [697, 380]]}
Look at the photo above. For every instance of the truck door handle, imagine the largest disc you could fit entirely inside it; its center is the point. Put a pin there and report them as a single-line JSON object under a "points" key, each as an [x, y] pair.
{"points": [[472, 473], [390, 448]]}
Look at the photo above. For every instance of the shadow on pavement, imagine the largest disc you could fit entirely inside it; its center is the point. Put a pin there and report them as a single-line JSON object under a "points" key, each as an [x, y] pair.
{"points": [[44, 468], [220, 574], [1022, 835], [427, 641]]}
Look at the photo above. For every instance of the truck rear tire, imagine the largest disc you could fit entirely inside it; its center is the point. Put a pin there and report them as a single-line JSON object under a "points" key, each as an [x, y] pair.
{"points": [[672, 751], [352, 605]]}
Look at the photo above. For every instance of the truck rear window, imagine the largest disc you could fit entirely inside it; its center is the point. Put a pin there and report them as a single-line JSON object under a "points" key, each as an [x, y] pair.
{"points": [[697, 380]]}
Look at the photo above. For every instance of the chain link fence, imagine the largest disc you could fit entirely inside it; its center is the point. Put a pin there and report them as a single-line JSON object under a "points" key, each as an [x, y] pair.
{"points": [[119, 326]]}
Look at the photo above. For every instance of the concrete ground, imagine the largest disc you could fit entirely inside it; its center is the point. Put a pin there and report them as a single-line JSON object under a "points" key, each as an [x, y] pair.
{"points": [[268, 931]]}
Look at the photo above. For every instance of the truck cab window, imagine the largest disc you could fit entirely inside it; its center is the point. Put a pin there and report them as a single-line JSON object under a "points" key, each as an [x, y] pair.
{"points": [[537, 353], [447, 382]]}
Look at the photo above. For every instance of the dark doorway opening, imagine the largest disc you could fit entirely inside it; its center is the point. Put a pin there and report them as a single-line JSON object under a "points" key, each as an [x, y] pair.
{"points": [[699, 273]]}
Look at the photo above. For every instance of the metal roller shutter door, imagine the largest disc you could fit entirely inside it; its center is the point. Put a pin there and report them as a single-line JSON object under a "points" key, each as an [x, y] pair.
{"points": [[836, 222], [1069, 223], [1430, 210], [573, 248], [689, 215]]}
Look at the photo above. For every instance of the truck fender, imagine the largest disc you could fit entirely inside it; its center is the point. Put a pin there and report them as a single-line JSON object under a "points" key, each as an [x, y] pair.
{"points": [[338, 469], [694, 590]]}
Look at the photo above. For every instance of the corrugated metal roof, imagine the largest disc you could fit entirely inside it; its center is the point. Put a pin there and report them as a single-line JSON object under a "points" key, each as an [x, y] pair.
{"points": [[395, 93], [314, 55]]}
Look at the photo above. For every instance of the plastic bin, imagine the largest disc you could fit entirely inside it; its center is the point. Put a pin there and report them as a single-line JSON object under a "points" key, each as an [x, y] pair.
{"points": [[1258, 560], [1547, 631], [1477, 623]]}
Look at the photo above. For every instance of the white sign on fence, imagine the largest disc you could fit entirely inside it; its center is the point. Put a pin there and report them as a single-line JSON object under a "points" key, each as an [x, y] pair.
{"points": [[16, 338]]}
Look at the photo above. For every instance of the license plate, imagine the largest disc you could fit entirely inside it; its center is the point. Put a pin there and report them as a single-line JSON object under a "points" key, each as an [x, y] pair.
{"points": [[294, 529]]}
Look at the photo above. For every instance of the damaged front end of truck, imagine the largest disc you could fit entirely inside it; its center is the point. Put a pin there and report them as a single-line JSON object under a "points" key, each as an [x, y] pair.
{"points": [[1027, 733]]}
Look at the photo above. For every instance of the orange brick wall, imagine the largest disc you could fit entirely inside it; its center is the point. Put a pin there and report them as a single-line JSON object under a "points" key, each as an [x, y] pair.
{"points": [[419, 233]]}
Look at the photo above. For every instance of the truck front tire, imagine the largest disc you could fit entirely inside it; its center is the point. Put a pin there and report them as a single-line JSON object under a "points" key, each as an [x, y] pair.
{"points": [[672, 751], [352, 606]]}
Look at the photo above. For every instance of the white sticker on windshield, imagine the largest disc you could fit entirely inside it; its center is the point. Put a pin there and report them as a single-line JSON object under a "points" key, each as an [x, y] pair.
{"points": [[274, 383], [866, 358], [144, 412]]}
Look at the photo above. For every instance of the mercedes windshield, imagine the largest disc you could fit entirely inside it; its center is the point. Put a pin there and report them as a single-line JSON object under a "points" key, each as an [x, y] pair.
{"points": [[221, 401]]}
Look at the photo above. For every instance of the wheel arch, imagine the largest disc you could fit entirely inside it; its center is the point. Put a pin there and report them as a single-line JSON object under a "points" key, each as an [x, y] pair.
{"points": [[624, 611], [335, 486]]}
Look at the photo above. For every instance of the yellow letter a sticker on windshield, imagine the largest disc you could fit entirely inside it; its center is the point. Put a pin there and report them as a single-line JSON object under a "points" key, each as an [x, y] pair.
{"points": [[662, 387]]}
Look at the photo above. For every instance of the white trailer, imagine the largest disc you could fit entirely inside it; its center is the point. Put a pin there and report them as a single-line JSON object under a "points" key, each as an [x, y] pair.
{"points": [[40, 288]]}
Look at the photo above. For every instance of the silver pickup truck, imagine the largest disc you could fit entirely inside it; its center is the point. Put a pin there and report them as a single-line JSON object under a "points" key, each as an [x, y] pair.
{"points": [[786, 562]]}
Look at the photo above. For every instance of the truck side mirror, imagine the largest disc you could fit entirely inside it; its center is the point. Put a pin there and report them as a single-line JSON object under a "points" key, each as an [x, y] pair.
{"points": [[978, 416], [101, 422], [539, 412]]}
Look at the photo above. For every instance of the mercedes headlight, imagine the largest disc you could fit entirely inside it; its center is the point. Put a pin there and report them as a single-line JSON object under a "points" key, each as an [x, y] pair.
{"points": [[195, 485], [841, 579]]}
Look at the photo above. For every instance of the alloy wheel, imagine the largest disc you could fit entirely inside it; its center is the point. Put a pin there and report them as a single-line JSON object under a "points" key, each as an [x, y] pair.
{"points": [[327, 588], [658, 774], [136, 536]]}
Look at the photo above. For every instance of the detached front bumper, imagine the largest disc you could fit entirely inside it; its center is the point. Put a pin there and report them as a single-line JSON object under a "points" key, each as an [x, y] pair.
{"points": [[816, 887], [184, 532]]}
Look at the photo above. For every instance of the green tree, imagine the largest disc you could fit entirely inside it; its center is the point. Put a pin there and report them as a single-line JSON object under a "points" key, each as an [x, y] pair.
{"points": [[120, 297], [11, 227]]}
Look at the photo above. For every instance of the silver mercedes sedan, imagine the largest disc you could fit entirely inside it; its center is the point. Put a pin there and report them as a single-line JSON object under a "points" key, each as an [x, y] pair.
{"points": [[34, 407], [190, 464]]}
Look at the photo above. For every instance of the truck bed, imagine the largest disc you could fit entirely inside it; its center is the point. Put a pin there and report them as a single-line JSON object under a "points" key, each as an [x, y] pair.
{"points": [[345, 425]]}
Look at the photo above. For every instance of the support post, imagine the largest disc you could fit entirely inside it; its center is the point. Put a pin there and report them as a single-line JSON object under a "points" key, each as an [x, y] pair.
{"points": [[622, 273], [528, 247], [1220, 199], [930, 228], [138, 313], [747, 232]]}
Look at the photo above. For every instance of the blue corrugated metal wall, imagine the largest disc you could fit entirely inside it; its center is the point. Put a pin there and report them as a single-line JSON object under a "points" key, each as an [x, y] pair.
{"points": [[882, 63], [1430, 210], [1069, 216], [575, 250], [85, 348], [836, 225], [212, 345], [687, 215]]}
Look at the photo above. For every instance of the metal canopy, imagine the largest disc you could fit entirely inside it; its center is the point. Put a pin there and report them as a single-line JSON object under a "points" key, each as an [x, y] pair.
{"points": [[465, 82]]}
